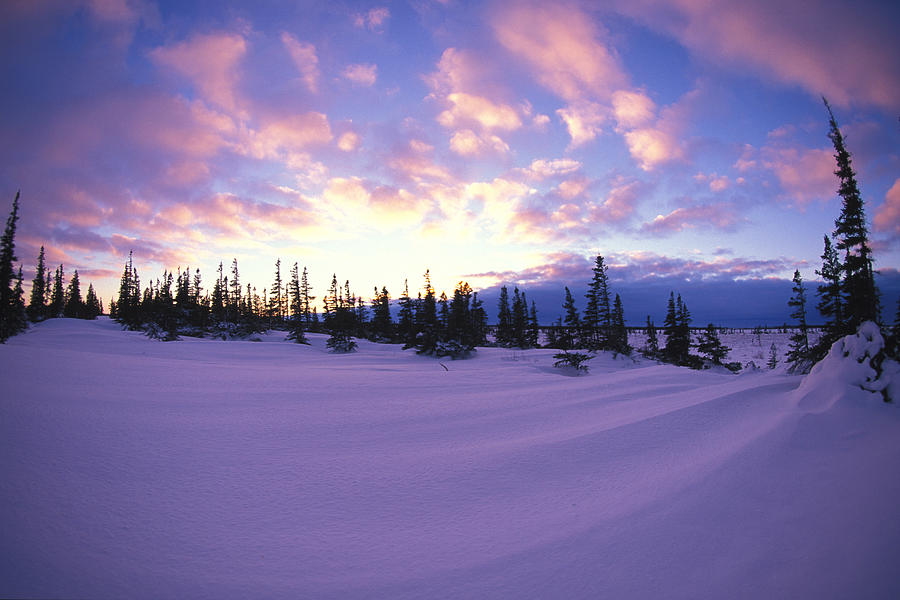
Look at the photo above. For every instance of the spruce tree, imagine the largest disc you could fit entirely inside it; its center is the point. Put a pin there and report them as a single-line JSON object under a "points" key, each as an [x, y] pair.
{"points": [[831, 298], [91, 303], [852, 236], [37, 310], [277, 300], [235, 301], [597, 322], [406, 319], [572, 323], [306, 300], [58, 298], [519, 320], [10, 323], [459, 340], [711, 346], [534, 329], [618, 339], [382, 325], [74, 308], [652, 346], [19, 319], [504, 336], [427, 338], [799, 353], [479, 321]]}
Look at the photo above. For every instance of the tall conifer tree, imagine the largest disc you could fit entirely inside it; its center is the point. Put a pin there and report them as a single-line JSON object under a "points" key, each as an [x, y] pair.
{"points": [[37, 310], [504, 319], [799, 354], [10, 323], [852, 236]]}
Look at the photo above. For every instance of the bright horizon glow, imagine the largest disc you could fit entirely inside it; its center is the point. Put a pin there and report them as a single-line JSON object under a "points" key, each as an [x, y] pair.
{"points": [[499, 142]]}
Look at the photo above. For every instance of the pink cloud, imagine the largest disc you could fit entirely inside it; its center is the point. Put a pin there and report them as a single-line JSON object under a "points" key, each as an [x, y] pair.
{"points": [[466, 142], [304, 56], [210, 61], [805, 174], [541, 168], [887, 216], [651, 147], [846, 52], [583, 121], [562, 45], [633, 109], [361, 74], [372, 20], [283, 136], [619, 204], [468, 110], [718, 216], [348, 141]]}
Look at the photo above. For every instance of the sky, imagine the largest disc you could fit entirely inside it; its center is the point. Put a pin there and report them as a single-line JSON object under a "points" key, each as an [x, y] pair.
{"points": [[492, 142]]}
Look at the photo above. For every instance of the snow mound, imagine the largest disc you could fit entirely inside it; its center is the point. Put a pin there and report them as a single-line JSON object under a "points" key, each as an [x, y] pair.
{"points": [[847, 373]]}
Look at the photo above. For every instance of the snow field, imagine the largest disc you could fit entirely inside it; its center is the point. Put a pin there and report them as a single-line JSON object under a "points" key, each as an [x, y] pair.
{"points": [[201, 468]]}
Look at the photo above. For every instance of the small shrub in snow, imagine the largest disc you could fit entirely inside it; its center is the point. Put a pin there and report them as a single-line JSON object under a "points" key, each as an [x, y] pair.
{"points": [[573, 360], [452, 348], [341, 343]]}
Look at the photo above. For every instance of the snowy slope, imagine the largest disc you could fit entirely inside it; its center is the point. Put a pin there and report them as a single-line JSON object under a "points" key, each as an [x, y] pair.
{"points": [[208, 469]]}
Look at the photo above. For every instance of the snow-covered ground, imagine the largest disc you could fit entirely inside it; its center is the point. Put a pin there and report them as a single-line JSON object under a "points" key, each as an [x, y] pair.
{"points": [[133, 468]]}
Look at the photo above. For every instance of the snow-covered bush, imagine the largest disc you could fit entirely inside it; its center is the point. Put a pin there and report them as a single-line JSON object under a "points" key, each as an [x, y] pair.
{"points": [[857, 362]]}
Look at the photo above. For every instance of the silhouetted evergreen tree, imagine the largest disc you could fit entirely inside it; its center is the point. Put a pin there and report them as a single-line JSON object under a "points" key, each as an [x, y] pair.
{"points": [[571, 324], [459, 339], [618, 338], [276, 300], [427, 336], [852, 236], [504, 335], [58, 298], [519, 320], [10, 318], [382, 325], [18, 320], [234, 303], [406, 319], [678, 332], [479, 321], [831, 301], [37, 310], [652, 346], [534, 329], [443, 311], [74, 308], [711, 346], [799, 353], [91, 303], [597, 322], [306, 301]]}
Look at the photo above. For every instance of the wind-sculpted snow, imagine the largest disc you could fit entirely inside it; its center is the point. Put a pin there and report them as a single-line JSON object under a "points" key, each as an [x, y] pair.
{"points": [[209, 469]]}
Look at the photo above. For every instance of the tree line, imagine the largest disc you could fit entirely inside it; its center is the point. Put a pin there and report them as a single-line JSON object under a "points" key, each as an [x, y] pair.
{"points": [[178, 303]]}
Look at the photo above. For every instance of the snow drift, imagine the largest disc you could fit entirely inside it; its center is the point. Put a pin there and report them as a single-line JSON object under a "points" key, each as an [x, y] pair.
{"points": [[210, 469], [847, 373]]}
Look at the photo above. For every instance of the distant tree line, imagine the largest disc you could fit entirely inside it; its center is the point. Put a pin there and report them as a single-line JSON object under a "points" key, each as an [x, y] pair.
{"points": [[178, 304]]}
